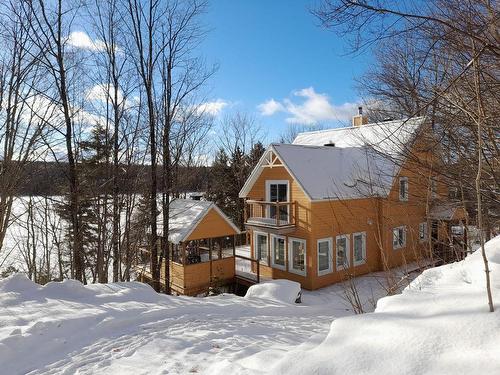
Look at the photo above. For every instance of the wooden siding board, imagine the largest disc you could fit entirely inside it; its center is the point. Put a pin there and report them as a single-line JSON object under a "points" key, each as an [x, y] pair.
{"points": [[211, 226]]}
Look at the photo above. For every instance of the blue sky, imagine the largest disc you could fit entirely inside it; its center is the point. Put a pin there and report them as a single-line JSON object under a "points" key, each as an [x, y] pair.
{"points": [[278, 64]]}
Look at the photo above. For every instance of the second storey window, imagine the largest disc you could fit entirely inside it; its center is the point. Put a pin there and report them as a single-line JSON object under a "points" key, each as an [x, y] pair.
{"points": [[399, 237], [403, 188], [422, 231], [433, 187]]}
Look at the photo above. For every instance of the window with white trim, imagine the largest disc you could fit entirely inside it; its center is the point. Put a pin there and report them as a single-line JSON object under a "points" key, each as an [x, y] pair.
{"points": [[278, 251], [297, 256], [422, 232], [261, 247], [325, 256], [359, 248], [399, 237], [342, 251], [403, 188]]}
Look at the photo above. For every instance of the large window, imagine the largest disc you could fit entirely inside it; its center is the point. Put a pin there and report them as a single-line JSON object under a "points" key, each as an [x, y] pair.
{"points": [[297, 256], [399, 237], [261, 247], [403, 188], [278, 251], [359, 248], [342, 252], [422, 232], [325, 256], [277, 191]]}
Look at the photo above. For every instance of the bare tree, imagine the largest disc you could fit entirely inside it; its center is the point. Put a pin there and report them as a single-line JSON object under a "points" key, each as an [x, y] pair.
{"points": [[433, 68], [22, 121]]}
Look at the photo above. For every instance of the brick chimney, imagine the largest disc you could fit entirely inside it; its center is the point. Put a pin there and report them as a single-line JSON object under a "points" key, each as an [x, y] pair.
{"points": [[359, 119]]}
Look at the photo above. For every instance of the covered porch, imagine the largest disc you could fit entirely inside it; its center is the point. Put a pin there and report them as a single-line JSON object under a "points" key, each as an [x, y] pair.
{"points": [[201, 245], [448, 232]]}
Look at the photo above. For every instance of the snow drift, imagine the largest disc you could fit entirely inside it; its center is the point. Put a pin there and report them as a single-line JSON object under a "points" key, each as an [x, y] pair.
{"points": [[440, 324], [275, 290]]}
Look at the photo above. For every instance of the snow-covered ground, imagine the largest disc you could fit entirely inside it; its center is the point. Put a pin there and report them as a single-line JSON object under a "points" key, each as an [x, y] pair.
{"points": [[126, 328], [440, 324]]}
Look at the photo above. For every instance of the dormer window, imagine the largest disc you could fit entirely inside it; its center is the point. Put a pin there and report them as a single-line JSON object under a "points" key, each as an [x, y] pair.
{"points": [[403, 188]]}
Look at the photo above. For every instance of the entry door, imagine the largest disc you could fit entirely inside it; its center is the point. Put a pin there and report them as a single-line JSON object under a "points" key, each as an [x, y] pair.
{"points": [[278, 192]]}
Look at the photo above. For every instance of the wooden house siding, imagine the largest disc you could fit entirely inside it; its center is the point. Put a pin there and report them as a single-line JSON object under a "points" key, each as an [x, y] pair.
{"points": [[212, 225], [376, 217]]}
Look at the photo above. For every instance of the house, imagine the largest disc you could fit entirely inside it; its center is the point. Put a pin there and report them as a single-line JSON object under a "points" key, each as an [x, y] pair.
{"points": [[345, 201], [202, 247]]}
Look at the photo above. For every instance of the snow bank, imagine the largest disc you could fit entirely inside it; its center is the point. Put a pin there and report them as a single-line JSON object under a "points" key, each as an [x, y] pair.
{"points": [[275, 290], [440, 324]]}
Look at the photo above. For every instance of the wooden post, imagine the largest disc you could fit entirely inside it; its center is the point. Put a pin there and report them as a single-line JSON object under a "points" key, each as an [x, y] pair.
{"points": [[295, 207], [210, 258], [258, 272], [234, 245], [219, 250], [183, 249], [277, 214], [268, 250]]}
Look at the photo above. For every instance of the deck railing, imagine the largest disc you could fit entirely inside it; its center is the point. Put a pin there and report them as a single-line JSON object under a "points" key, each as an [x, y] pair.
{"points": [[265, 213]]}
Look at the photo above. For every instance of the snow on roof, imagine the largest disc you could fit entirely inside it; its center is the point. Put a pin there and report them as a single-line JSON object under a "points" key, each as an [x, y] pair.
{"points": [[337, 173], [358, 162], [388, 137], [445, 211], [184, 216]]}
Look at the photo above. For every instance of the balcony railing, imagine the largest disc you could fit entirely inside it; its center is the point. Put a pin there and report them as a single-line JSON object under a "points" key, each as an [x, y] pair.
{"points": [[271, 214]]}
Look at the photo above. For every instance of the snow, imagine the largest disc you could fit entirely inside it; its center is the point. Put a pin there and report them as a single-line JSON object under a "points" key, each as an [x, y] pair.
{"points": [[444, 211], [388, 137], [353, 172], [286, 291], [440, 324], [127, 328], [184, 216]]}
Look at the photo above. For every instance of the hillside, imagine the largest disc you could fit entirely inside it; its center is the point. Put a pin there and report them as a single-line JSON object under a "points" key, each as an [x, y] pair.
{"points": [[439, 324]]}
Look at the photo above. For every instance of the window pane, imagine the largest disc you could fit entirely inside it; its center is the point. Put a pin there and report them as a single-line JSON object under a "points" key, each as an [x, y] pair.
{"points": [[358, 248], [341, 251], [273, 190], [395, 237], [279, 251], [282, 190], [323, 256], [298, 256], [261, 247]]}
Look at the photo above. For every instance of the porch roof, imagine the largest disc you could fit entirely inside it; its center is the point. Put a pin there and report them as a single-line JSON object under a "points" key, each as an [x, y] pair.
{"points": [[186, 214], [447, 212]]}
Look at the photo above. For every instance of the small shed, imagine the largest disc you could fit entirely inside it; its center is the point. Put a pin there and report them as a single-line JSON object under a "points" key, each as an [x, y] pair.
{"points": [[202, 246]]}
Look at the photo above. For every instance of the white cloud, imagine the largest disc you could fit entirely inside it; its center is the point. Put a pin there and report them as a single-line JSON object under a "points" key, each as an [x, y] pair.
{"points": [[312, 109], [80, 39], [103, 93], [212, 108], [270, 107]]}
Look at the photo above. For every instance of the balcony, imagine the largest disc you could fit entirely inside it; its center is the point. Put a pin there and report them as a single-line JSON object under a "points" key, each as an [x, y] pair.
{"points": [[273, 217]]}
